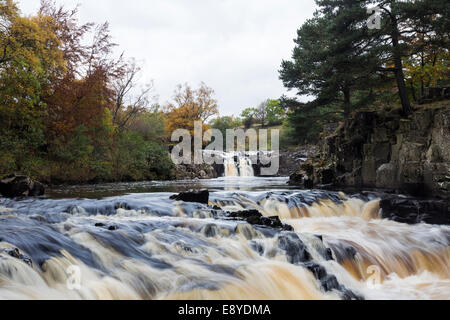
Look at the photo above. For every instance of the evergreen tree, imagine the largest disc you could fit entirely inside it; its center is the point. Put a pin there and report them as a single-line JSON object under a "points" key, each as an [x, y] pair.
{"points": [[330, 61]]}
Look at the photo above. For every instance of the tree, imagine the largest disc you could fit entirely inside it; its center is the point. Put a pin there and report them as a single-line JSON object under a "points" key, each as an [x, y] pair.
{"points": [[29, 59], [150, 124], [329, 60], [261, 113], [190, 106], [248, 116], [225, 123], [275, 112], [401, 22], [127, 103]]}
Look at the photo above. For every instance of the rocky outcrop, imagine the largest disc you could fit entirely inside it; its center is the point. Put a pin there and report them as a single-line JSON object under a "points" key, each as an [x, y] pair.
{"points": [[414, 211], [192, 196], [254, 217], [193, 171], [290, 160], [20, 186], [383, 150]]}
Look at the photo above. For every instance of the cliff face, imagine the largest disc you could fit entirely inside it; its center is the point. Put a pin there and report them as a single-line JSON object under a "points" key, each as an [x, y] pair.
{"points": [[382, 150]]}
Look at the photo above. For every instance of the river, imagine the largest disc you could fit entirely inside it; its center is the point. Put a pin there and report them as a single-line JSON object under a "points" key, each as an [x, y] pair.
{"points": [[131, 241]]}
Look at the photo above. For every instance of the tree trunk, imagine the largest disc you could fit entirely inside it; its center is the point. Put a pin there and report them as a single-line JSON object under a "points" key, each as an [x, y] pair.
{"points": [[347, 102], [399, 76]]}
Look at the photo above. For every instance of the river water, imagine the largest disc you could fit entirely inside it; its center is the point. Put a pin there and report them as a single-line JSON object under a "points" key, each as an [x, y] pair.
{"points": [[131, 241]]}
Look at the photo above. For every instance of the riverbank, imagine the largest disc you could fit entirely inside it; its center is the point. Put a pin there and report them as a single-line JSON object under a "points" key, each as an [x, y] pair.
{"points": [[381, 149]]}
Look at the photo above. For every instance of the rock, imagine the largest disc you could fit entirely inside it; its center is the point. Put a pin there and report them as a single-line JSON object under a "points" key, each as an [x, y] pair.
{"points": [[201, 171], [301, 178], [413, 211], [254, 217], [329, 282], [386, 176], [122, 205], [210, 230], [15, 253], [20, 186], [192, 196], [380, 149], [295, 249]]}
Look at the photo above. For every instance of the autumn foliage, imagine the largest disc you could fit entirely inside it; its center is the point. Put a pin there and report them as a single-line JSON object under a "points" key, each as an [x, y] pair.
{"points": [[67, 106]]}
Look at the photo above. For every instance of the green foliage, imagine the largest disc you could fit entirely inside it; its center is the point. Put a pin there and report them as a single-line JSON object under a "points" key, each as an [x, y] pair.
{"points": [[343, 65], [151, 125], [305, 122], [248, 117], [224, 123], [275, 112]]}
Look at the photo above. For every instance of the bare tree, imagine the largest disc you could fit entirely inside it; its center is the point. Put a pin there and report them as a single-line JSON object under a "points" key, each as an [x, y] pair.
{"points": [[130, 98], [261, 113]]}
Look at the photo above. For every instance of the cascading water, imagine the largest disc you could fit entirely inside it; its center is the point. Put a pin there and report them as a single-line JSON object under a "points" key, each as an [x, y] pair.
{"points": [[236, 164], [245, 167], [146, 246]]}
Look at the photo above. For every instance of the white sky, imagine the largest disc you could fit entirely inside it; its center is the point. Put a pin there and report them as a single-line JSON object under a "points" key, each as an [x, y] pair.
{"points": [[234, 46]]}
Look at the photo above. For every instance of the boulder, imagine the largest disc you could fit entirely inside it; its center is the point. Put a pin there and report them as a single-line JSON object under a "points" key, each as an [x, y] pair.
{"points": [[413, 211], [296, 251], [254, 217], [20, 186], [301, 178], [192, 196]]}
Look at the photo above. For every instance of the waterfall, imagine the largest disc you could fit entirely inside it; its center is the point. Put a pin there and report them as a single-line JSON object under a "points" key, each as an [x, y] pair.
{"points": [[133, 247], [243, 167], [231, 169]]}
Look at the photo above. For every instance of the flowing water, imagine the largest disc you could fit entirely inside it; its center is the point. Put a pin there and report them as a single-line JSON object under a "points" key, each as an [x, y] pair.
{"points": [[236, 164], [131, 241]]}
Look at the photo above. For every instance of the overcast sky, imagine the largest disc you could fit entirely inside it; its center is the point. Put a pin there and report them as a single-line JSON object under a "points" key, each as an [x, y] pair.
{"points": [[234, 46]]}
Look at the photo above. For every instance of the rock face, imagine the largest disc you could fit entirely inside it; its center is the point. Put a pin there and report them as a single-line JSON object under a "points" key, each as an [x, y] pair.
{"points": [[20, 186], [382, 150], [290, 160], [414, 211]]}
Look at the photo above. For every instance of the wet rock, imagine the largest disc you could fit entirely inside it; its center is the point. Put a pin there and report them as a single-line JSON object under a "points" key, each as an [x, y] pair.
{"points": [[192, 196], [122, 205], [15, 253], [210, 230], [254, 217], [412, 211], [296, 250], [20, 186], [329, 282], [258, 247], [301, 178]]}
